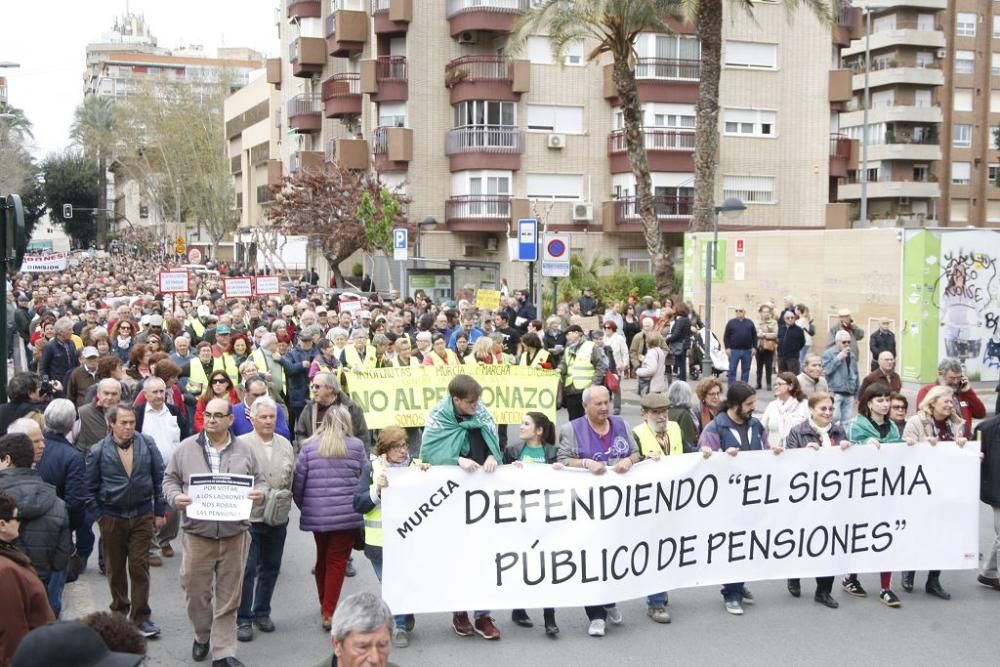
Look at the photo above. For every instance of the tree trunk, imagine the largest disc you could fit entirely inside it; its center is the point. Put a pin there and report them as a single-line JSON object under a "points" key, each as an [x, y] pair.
{"points": [[708, 26], [102, 202], [334, 264], [635, 147]]}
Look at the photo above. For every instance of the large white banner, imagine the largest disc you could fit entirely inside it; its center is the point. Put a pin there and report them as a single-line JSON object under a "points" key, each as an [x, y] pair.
{"points": [[540, 537], [50, 263]]}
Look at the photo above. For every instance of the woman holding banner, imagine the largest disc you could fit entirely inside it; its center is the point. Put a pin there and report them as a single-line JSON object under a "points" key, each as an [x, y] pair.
{"points": [[462, 349], [818, 430], [533, 355], [440, 354], [538, 445], [404, 354], [484, 352]]}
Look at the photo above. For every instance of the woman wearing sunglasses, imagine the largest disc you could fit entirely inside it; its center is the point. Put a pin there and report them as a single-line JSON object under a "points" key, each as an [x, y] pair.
{"points": [[219, 386]]}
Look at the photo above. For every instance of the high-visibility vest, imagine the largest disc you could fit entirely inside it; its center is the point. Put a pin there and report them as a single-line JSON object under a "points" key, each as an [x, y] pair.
{"points": [[394, 362], [373, 519], [231, 367], [540, 358], [579, 369], [196, 372], [452, 358], [196, 326], [648, 442], [277, 375], [352, 358]]}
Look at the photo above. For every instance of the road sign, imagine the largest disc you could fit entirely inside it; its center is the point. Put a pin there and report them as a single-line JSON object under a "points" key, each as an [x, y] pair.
{"points": [[527, 240], [179, 246], [400, 244], [555, 259], [194, 256]]}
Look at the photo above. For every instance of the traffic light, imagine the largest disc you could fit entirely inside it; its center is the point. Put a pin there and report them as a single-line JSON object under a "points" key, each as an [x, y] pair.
{"points": [[67, 212]]}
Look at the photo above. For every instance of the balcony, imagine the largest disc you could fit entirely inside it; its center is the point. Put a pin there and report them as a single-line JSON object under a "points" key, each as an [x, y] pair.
{"points": [[843, 26], [304, 9], [346, 32], [385, 79], [487, 77], [890, 189], [484, 147], [839, 87], [893, 74], [891, 112], [342, 95], [304, 113], [905, 34], [840, 154], [904, 150], [666, 150], [484, 213], [392, 17], [486, 15], [668, 80], [392, 148], [304, 161], [274, 72], [352, 153], [673, 212], [307, 55]]}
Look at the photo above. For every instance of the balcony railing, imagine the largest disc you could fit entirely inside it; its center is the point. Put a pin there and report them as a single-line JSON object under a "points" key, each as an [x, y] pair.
{"points": [[489, 207], [339, 85], [667, 206], [459, 6], [330, 151], [305, 103], [655, 139], [477, 68], [389, 68], [840, 146], [485, 139], [667, 68], [380, 5]]}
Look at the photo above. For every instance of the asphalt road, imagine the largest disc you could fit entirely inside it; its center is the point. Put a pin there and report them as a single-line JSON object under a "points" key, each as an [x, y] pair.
{"points": [[777, 630]]}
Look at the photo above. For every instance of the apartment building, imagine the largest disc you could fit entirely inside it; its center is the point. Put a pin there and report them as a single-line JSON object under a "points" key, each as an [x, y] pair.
{"points": [[425, 94], [127, 55], [934, 98]]}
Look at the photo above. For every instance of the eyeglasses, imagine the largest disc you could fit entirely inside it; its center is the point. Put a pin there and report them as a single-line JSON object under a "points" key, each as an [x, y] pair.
{"points": [[215, 415], [220, 381], [897, 407], [398, 445]]}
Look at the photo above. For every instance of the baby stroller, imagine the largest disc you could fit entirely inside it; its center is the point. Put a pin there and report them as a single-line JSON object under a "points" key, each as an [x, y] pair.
{"points": [[720, 360]]}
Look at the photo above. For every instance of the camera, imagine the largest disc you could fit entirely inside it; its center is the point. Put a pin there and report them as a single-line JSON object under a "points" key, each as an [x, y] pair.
{"points": [[46, 389]]}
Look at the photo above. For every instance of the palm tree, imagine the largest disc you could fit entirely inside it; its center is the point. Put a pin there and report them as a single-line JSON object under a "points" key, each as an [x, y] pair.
{"points": [[614, 25], [94, 129], [706, 15], [13, 124]]}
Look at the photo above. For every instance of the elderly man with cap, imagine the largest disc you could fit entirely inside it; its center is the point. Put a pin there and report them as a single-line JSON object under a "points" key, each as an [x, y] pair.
{"points": [[583, 364], [296, 363], [846, 323], [155, 329], [657, 436], [83, 377], [223, 337]]}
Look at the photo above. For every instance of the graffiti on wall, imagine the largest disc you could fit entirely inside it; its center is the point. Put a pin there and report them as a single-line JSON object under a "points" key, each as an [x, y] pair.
{"points": [[967, 295]]}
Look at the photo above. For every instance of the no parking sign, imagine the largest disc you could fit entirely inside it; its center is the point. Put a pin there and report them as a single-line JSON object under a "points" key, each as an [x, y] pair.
{"points": [[555, 260]]}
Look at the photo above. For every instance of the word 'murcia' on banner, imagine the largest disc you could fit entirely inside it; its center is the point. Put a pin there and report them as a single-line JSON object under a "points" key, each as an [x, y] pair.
{"points": [[541, 537], [404, 396]]}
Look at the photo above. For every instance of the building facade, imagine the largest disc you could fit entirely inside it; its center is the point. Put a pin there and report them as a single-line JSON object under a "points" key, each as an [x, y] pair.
{"points": [[426, 94]]}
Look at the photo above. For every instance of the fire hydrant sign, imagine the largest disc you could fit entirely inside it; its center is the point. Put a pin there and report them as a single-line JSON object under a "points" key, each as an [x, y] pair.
{"points": [[219, 497]]}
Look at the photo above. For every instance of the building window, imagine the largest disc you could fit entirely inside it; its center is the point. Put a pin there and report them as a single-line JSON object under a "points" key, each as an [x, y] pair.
{"points": [[959, 210], [485, 112], [539, 51], [750, 123], [995, 64], [962, 99], [961, 136], [992, 172], [995, 101], [996, 26], [961, 173], [752, 55], [751, 189], [551, 118], [554, 186], [965, 62], [994, 138], [965, 24]]}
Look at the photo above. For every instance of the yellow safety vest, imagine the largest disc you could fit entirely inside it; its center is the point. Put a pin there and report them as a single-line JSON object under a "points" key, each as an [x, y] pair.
{"points": [[394, 362], [353, 359], [196, 326], [579, 369], [277, 377], [648, 442], [232, 369], [540, 358], [373, 519], [436, 359], [196, 372]]}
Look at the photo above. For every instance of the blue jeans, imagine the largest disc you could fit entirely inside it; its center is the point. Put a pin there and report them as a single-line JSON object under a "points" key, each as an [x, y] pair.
{"points": [[656, 600], [733, 592], [54, 589], [267, 544], [84, 535], [741, 357], [598, 612], [843, 409], [375, 556]]}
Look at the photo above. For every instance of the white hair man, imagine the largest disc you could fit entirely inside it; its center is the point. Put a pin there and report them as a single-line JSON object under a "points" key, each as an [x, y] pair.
{"points": [[840, 366], [360, 633]]}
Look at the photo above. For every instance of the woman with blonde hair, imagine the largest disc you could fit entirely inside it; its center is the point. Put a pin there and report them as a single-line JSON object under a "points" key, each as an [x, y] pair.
{"points": [[654, 364], [326, 475]]}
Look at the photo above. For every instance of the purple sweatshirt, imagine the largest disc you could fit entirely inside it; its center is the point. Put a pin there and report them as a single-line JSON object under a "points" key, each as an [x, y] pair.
{"points": [[324, 488]]}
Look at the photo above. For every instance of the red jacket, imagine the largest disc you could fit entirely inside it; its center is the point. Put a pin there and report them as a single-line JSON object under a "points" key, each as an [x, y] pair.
{"points": [[968, 404], [25, 605]]}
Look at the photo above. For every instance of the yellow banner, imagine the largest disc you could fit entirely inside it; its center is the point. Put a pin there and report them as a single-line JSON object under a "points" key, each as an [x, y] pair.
{"points": [[488, 299], [404, 396]]}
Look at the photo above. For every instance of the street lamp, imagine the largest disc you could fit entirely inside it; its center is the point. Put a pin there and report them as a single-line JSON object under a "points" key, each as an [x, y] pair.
{"points": [[425, 225], [863, 217], [731, 208]]}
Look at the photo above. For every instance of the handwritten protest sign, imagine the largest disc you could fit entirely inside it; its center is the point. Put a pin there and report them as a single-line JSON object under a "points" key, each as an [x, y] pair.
{"points": [[540, 537], [404, 396], [488, 299], [219, 497]]}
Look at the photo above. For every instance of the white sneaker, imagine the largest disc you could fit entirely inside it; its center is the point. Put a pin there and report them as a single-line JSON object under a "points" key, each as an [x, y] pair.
{"points": [[734, 607], [596, 628], [615, 615]]}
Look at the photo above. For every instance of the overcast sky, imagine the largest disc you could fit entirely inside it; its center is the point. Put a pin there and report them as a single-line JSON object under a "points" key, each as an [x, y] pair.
{"points": [[49, 40]]}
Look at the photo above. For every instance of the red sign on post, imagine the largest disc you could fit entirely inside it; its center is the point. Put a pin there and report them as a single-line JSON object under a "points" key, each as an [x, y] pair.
{"points": [[174, 282], [267, 285], [741, 248], [194, 256], [237, 288]]}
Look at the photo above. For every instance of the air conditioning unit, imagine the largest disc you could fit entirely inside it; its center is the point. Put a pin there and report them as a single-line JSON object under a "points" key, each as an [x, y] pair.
{"points": [[583, 212], [471, 250], [556, 140], [941, 53], [468, 37]]}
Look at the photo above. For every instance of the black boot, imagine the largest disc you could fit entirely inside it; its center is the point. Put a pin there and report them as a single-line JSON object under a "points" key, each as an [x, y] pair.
{"points": [[551, 629], [908, 581], [795, 587], [520, 617], [933, 587]]}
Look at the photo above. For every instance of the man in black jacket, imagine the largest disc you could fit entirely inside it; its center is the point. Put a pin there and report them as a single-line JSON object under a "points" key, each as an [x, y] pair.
{"points": [[989, 493], [790, 344], [22, 394], [59, 356], [44, 532], [881, 341]]}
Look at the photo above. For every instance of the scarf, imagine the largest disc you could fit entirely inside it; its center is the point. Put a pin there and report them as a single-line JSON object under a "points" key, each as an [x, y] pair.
{"points": [[8, 550], [823, 431], [445, 438]]}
